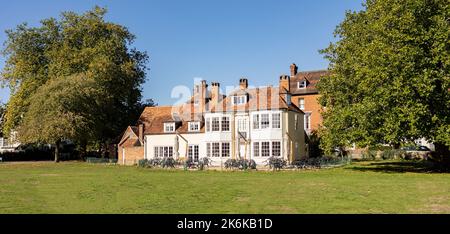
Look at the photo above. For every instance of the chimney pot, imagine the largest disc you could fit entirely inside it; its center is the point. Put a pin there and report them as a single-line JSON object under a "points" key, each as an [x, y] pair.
{"points": [[243, 83]]}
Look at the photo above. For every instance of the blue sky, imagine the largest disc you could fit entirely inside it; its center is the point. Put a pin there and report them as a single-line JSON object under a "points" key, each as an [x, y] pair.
{"points": [[214, 40]]}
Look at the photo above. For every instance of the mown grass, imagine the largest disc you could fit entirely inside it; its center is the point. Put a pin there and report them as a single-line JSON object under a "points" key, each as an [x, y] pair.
{"points": [[364, 187]]}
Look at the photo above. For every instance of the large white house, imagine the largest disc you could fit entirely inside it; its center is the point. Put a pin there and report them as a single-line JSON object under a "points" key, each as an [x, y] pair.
{"points": [[248, 123]]}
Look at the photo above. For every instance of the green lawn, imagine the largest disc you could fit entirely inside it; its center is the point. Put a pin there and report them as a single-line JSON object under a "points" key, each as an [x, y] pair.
{"points": [[364, 187]]}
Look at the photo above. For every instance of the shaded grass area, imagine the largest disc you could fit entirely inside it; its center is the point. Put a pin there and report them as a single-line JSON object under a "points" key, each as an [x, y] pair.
{"points": [[401, 167], [363, 187]]}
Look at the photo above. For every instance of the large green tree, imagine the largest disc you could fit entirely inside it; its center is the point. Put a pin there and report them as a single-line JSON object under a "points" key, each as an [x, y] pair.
{"points": [[390, 71], [62, 109], [75, 44]]}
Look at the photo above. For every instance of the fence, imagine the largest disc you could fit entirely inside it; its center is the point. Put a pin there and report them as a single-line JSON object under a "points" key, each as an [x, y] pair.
{"points": [[100, 160]]}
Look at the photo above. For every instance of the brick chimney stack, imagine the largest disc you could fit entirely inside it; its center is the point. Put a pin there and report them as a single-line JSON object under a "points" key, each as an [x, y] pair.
{"points": [[243, 83], [200, 95], [293, 68], [215, 92], [141, 132], [284, 84]]}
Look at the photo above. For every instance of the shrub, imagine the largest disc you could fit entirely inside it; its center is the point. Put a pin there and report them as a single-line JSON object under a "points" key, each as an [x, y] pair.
{"points": [[142, 163], [369, 155], [276, 163], [392, 154]]}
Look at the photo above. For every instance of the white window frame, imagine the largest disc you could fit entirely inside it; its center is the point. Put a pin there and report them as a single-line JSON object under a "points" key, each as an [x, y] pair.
{"points": [[278, 148], [193, 152], [169, 127], [225, 119], [222, 149], [213, 149], [301, 103], [163, 151], [208, 124], [255, 120], [213, 129], [194, 126], [302, 84], [266, 125], [239, 99], [256, 149], [268, 149], [307, 121], [276, 123]]}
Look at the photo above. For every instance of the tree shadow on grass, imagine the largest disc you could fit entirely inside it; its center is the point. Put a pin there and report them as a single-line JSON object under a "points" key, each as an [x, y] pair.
{"points": [[401, 167]]}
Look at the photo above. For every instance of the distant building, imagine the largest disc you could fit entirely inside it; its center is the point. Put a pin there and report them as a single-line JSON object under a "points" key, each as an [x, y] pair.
{"points": [[9, 144]]}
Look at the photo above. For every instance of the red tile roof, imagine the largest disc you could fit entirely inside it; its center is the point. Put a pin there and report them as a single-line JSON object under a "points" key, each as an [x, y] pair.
{"points": [[312, 77]]}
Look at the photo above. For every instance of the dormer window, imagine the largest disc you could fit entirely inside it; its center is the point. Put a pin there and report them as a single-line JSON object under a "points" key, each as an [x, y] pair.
{"points": [[169, 127], [238, 100], [194, 126], [302, 84]]}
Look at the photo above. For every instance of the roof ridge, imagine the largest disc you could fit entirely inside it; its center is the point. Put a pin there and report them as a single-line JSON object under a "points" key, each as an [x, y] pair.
{"points": [[311, 71]]}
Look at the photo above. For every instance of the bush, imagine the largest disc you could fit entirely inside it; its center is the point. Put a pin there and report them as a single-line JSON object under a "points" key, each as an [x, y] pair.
{"points": [[314, 145], [142, 163], [388, 154], [276, 163], [369, 155]]}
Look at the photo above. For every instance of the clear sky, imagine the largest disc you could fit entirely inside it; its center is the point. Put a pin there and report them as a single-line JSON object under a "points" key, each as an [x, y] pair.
{"points": [[215, 40]]}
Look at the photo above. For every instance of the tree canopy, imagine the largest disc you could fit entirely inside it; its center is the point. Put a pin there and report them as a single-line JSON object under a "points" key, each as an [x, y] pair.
{"points": [[390, 75], [44, 64]]}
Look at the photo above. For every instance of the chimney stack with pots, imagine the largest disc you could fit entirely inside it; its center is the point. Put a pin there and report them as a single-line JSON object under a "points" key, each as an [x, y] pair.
{"points": [[284, 84], [293, 69], [215, 93], [243, 83]]}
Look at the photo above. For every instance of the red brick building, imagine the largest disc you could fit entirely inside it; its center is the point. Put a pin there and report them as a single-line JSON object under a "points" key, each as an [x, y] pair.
{"points": [[305, 95]]}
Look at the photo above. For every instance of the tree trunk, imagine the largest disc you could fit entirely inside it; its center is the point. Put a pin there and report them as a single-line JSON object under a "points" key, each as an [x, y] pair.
{"points": [[83, 147], [57, 151], [443, 152]]}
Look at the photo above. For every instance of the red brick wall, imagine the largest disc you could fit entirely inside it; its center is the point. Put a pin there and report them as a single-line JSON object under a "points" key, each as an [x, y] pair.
{"points": [[311, 105], [132, 154]]}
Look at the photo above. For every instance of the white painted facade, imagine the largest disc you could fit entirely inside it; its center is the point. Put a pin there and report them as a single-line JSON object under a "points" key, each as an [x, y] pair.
{"points": [[275, 136]]}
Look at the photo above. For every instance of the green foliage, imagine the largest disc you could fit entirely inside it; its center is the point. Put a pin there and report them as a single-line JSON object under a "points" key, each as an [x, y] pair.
{"points": [[389, 77], [2, 115], [75, 44], [314, 145], [369, 155], [64, 108]]}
